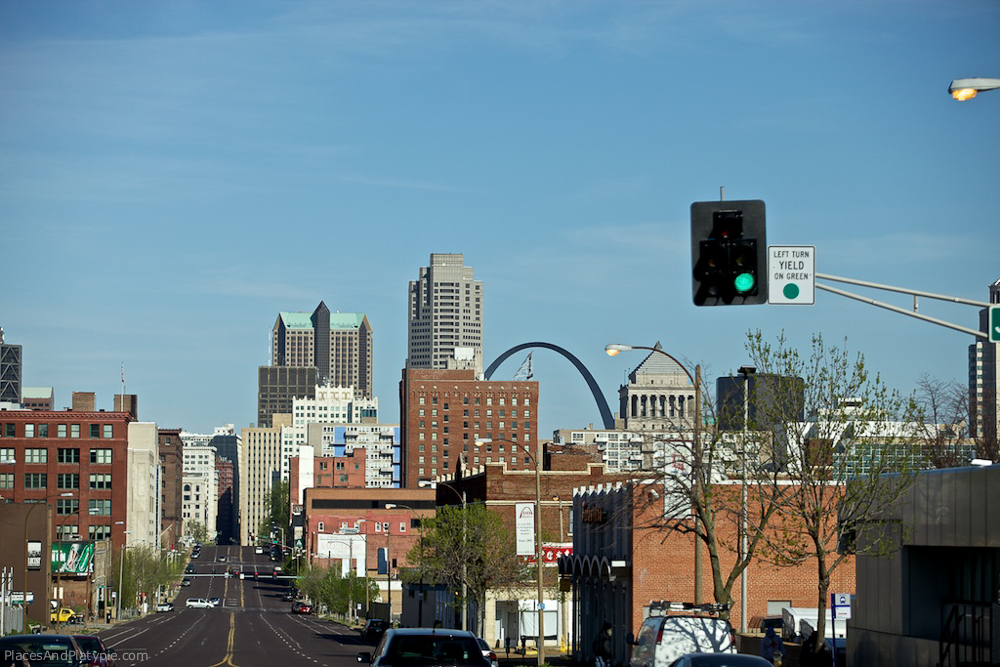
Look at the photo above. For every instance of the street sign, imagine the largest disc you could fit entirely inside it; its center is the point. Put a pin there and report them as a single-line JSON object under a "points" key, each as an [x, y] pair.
{"points": [[994, 324], [841, 603], [791, 271]]}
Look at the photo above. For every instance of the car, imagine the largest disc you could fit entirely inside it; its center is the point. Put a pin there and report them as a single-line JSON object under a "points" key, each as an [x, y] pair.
{"points": [[373, 630], [61, 650], [301, 608], [164, 606], [95, 653], [186, 581], [215, 602], [189, 569], [720, 660], [63, 615], [663, 639], [487, 651], [423, 647], [221, 559], [259, 550], [198, 603]]}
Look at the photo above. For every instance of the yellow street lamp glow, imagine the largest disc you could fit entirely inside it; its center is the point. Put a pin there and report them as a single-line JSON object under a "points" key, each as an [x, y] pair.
{"points": [[966, 89]]}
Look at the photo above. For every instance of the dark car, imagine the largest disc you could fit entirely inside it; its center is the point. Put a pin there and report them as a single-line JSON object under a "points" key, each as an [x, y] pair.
{"points": [[96, 654], [373, 629], [421, 647], [42, 650], [719, 660]]}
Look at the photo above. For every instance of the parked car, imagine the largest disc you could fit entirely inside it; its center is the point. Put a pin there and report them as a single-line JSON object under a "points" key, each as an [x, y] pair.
{"points": [[301, 608], [487, 651], [373, 629], [95, 653], [720, 660], [62, 615], [165, 606], [186, 581], [422, 647], [198, 603], [62, 650], [663, 639]]}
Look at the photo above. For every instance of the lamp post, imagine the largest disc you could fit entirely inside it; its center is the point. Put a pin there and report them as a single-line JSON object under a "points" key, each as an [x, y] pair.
{"points": [[612, 350], [537, 460], [465, 586], [121, 574], [27, 515], [746, 372], [966, 89]]}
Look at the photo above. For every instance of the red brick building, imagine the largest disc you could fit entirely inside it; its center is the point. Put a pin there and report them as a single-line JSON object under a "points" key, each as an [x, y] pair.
{"points": [[450, 419], [171, 473]]}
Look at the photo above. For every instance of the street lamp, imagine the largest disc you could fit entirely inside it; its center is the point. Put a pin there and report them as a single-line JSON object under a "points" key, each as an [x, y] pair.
{"points": [[121, 573], [746, 372], [465, 586], [613, 350], [966, 89], [27, 515], [538, 548]]}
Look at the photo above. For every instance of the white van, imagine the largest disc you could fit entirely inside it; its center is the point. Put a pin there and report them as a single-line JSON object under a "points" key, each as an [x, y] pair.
{"points": [[663, 639], [198, 603]]}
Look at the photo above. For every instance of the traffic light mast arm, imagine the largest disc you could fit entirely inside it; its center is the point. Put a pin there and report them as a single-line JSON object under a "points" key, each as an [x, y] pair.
{"points": [[903, 311]]}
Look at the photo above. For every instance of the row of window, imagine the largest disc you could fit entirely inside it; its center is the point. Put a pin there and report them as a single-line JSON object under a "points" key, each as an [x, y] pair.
{"points": [[97, 506], [476, 401], [9, 430], [39, 480], [95, 533], [63, 455]]}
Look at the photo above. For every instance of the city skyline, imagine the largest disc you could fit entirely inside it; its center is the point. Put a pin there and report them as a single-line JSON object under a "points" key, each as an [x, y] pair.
{"points": [[174, 175]]}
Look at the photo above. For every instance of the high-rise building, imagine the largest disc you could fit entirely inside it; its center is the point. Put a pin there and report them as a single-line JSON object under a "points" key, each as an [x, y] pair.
{"points": [[260, 469], [446, 316], [10, 372], [984, 380], [451, 420], [338, 345]]}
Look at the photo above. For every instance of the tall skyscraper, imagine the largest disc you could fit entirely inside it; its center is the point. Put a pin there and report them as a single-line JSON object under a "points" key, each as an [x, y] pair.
{"points": [[338, 345], [446, 316], [984, 380], [314, 349]]}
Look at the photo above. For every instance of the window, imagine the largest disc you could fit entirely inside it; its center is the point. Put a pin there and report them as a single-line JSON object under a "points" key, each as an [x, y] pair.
{"points": [[36, 455], [6, 480], [66, 531], [402, 526], [95, 430], [103, 481], [66, 480], [100, 456], [344, 479], [43, 430], [61, 430], [99, 532], [320, 527], [74, 430], [10, 430], [378, 527], [100, 506], [29, 430], [67, 506], [108, 431], [6, 454], [68, 455]]}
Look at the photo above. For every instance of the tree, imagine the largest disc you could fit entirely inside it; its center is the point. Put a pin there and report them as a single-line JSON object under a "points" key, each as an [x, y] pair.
{"points": [[467, 547], [277, 514], [197, 531], [837, 460], [949, 424]]}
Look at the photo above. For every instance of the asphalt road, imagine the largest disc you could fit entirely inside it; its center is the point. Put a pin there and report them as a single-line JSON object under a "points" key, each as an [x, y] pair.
{"points": [[253, 626]]}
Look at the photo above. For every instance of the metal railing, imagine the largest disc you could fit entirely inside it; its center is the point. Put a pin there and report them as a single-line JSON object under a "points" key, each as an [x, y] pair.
{"points": [[967, 634]]}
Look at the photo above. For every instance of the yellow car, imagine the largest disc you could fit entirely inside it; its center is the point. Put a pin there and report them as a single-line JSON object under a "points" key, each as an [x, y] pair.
{"points": [[63, 615]]}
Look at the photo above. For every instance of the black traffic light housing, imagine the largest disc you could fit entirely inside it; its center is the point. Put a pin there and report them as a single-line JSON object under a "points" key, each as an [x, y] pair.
{"points": [[728, 253]]}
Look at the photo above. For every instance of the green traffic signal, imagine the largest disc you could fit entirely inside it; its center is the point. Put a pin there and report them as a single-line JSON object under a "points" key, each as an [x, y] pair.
{"points": [[744, 283]]}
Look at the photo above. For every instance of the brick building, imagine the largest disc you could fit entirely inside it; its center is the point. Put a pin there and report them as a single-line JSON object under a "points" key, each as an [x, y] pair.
{"points": [[356, 529], [618, 567], [171, 473], [449, 418]]}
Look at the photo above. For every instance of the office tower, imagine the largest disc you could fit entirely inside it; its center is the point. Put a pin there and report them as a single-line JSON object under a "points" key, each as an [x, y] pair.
{"points": [[451, 420], [338, 345], [10, 372], [984, 388], [446, 316], [260, 469]]}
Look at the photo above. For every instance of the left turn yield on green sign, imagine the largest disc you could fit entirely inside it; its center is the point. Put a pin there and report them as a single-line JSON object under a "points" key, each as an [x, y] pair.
{"points": [[791, 273]]}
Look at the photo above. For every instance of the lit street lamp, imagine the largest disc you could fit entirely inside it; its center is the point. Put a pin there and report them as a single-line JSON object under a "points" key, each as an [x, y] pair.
{"points": [[966, 89], [613, 350]]}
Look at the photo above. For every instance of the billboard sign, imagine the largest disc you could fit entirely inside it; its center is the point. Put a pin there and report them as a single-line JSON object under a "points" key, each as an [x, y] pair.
{"points": [[72, 558], [34, 555], [525, 528]]}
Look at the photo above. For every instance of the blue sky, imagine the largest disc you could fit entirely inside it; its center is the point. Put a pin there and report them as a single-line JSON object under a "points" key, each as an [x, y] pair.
{"points": [[174, 174]]}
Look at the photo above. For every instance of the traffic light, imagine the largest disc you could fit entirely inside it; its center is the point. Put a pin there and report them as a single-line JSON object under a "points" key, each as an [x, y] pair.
{"points": [[728, 253]]}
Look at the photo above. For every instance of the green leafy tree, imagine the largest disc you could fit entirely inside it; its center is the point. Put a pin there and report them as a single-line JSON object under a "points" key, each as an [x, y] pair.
{"points": [[468, 548], [837, 461], [277, 514], [197, 531]]}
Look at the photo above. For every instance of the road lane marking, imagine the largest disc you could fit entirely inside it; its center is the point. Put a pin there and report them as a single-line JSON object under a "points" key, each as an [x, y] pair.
{"points": [[228, 660]]}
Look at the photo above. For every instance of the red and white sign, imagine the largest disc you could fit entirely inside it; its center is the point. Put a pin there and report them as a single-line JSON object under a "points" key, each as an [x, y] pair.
{"points": [[551, 552]]}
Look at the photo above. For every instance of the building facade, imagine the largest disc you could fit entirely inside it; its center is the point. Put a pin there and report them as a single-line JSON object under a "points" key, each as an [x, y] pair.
{"points": [[200, 489], [144, 483], [10, 372], [279, 386], [450, 419], [445, 316], [260, 469], [171, 450], [380, 442]]}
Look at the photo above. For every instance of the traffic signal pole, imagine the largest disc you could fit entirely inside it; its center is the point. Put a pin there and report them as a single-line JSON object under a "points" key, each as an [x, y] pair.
{"points": [[896, 309]]}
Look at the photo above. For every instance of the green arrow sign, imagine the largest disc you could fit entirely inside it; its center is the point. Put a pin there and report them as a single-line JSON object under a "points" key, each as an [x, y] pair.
{"points": [[994, 324]]}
